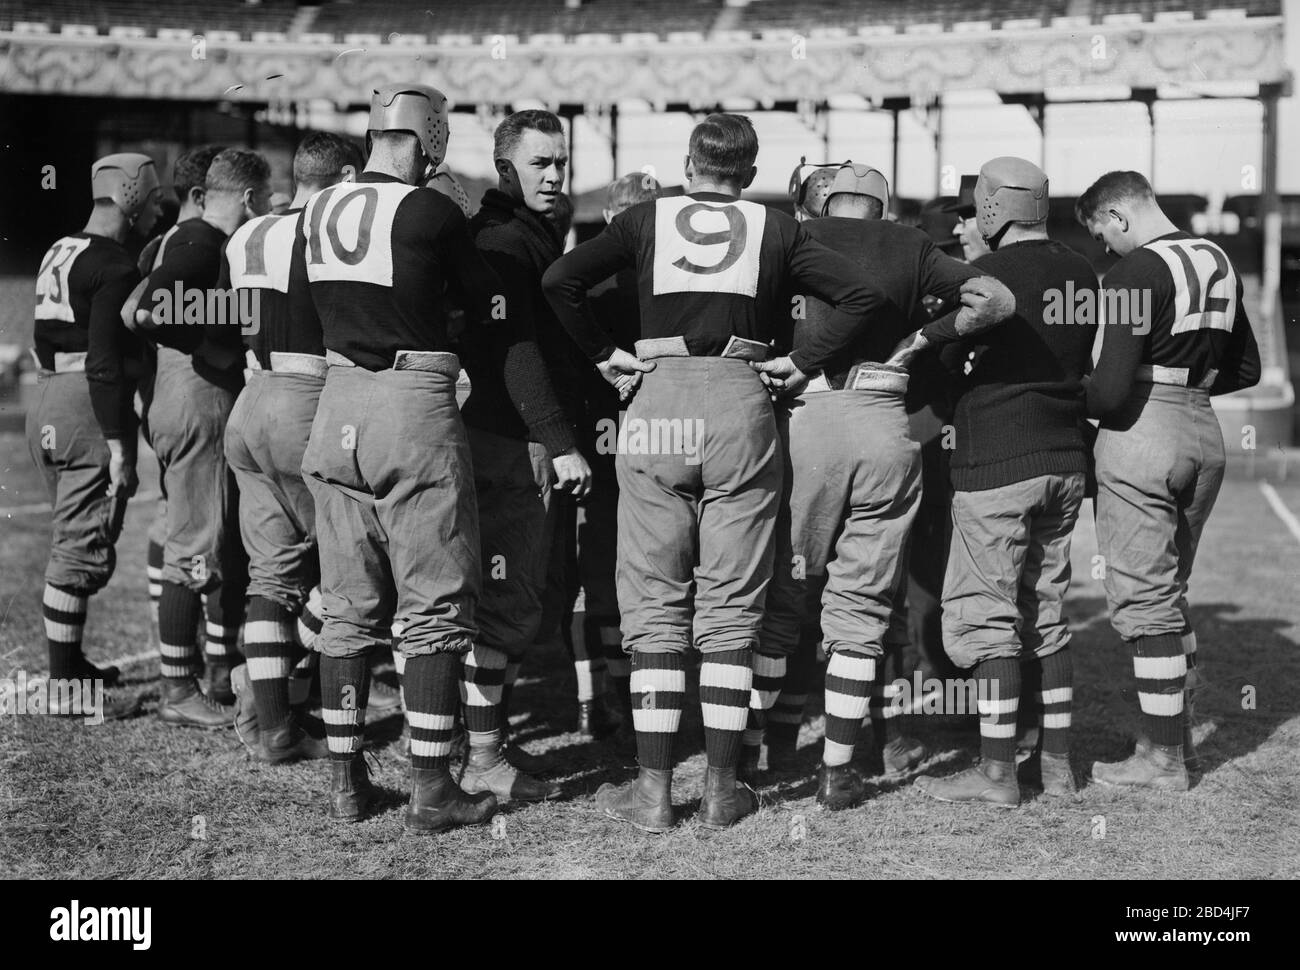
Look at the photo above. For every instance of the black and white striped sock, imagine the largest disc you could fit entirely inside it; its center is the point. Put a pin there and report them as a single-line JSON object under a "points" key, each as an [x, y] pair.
{"points": [[1056, 695], [64, 611], [309, 620], [726, 684], [179, 609], [431, 686], [268, 645], [221, 629], [482, 679], [154, 570], [658, 687], [998, 698], [848, 694], [344, 693], [1160, 666]]}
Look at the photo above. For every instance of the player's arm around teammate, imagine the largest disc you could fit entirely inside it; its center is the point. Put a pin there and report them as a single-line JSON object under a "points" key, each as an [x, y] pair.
{"points": [[1177, 332], [82, 430]]}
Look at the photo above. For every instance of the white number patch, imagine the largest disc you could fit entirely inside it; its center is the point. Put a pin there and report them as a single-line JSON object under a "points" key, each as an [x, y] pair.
{"points": [[53, 299], [259, 253], [707, 247], [1205, 284], [349, 231]]}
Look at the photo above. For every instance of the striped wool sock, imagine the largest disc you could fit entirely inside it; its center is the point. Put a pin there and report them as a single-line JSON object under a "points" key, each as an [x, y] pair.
{"points": [[769, 675], [786, 716], [588, 658], [65, 619], [309, 620], [726, 683], [658, 688], [344, 692], [154, 570], [1056, 694], [482, 679], [221, 630], [1160, 667], [848, 693], [432, 688], [179, 608], [268, 645], [998, 697]]}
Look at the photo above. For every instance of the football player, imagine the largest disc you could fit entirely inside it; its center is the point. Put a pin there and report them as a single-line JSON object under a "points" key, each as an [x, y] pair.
{"points": [[82, 430], [1177, 333], [697, 508]]}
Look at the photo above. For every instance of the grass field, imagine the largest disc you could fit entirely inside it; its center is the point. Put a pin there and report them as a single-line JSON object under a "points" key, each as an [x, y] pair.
{"points": [[136, 799]]}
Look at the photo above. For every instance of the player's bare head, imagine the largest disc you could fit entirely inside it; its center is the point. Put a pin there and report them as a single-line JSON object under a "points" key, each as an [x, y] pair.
{"points": [[239, 179], [531, 158], [722, 150], [632, 189], [324, 158], [1112, 205], [417, 109], [189, 175], [857, 192]]}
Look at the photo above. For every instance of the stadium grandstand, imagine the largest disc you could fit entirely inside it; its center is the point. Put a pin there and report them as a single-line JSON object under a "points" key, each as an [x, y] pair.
{"points": [[260, 73]]}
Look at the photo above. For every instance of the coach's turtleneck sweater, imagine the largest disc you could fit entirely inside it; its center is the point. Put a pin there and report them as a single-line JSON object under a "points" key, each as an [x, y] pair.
{"points": [[1022, 409]]}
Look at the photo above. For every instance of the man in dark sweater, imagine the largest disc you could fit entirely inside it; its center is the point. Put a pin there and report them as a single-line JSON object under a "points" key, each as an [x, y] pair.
{"points": [[1177, 333], [1018, 478], [523, 441], [200, 374], [82, 430], [699, 468], [853, 483]]}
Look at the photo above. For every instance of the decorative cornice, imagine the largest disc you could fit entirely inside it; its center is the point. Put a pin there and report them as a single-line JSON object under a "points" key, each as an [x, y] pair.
{"points": [[915, 65]]}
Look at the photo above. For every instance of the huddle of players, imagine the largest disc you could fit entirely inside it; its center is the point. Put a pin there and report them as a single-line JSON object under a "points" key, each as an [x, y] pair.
{"points": [[337, 441]]}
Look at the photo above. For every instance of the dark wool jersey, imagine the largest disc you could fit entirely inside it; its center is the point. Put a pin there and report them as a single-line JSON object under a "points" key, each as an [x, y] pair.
{"points": [[710, 267], [83, 281], [1022, 410], [900, 261], [200, 323], [1197, 321], [516, 365], [259, 257], [617, 309], [379, 257]]}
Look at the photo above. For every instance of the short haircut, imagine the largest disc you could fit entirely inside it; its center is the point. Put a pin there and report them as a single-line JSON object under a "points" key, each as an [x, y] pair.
{"points": [[321, 156], [1111, 188], [237, 169], [506, 138], [630, 190], [191, 169], [724, 146], [875, 209]]}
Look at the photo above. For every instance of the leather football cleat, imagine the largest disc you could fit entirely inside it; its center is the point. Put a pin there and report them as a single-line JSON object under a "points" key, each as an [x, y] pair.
{"points": [[645, 803], [840, 787], [350, 790], [102, 704], [989, 781], [219, 688], [725, 801], [438, 803], [245, 708], [289, 742], [86, 670], [901, 755], [383, 700], [187, 706], [487, 770], [1153, 766], [1057, 775]]}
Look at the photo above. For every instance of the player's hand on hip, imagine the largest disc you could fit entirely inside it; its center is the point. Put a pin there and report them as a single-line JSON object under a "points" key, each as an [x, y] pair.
{"points": [[572, 473], [780, 376], [624, 370], [985, 303]]}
